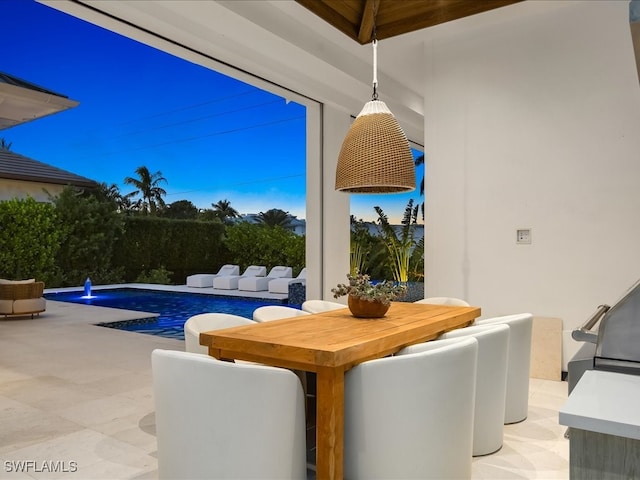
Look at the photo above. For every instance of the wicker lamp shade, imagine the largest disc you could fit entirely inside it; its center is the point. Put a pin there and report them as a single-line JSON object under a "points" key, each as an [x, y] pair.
{"points": [[375, 156]]}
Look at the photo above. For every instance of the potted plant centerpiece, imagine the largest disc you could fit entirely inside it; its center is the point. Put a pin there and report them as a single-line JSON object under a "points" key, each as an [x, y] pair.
{"points": [[368, 300]]}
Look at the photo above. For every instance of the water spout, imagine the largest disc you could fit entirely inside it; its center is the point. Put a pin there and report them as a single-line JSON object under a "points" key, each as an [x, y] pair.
{"points": [[87, 288]]}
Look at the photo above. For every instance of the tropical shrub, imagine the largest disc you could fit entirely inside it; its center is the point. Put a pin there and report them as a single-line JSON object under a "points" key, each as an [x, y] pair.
{"points": [[30, 240], [182, 247], [254, 244], [161, 276], [400, 244], [90, 229], [361, 246]]}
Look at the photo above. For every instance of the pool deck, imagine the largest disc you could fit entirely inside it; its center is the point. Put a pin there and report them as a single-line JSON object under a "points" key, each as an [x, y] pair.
{"points": [[179, 288]]}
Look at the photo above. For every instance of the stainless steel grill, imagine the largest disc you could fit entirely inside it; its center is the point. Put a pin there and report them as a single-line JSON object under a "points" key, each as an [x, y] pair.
{"points": [[611, 339]]}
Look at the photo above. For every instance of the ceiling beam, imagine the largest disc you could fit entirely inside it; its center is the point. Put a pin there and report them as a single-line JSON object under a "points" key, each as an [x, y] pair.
{"points": [[358, 18], [367, 24]]}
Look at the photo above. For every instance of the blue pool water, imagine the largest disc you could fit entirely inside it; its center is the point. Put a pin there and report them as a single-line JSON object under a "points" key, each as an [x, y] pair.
{"points": [[174, 307]]}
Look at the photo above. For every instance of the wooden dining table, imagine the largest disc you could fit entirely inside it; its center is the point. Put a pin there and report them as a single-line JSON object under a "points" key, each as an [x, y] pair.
{"points": [[330, 343]]}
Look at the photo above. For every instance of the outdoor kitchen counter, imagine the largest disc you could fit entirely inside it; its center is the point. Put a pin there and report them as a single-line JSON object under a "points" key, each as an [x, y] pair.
{"points": [[604, 419]]}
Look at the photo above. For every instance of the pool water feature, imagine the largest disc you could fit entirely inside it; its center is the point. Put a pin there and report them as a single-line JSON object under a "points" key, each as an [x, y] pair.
{"points": [[174, 308]]}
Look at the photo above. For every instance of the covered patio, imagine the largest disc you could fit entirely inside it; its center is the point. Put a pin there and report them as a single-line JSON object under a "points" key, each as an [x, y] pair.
{"points": [[528, 116]]}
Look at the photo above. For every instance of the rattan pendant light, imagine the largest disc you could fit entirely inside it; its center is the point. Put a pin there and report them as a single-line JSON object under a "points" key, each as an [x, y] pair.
{"points": [[375, 156]]}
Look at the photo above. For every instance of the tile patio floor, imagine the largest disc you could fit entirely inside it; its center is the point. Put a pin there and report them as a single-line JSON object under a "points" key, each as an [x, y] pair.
{"points": [[74, 392]]}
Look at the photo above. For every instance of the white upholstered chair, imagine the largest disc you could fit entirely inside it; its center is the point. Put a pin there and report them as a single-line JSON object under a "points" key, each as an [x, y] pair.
{"points": [[259, 284], [491, 374], [223, 420], [411, 416], [205, 322], [281, 285], [318, 306], [230, 282], [518, 365], [276, 312], [449, 301]]}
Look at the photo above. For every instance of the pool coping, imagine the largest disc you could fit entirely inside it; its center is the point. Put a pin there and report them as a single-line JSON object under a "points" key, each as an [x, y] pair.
{"points": [[265, 295]]}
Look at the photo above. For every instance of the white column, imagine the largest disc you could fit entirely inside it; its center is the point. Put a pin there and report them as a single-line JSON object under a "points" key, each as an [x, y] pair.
{"points": [[327, 253]]}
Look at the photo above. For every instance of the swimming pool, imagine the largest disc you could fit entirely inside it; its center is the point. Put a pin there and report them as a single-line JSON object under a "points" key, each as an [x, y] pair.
{"points": [[174, 308]]}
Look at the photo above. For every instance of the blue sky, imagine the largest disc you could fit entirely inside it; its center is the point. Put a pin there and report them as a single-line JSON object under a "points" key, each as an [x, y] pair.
{"points": [[212, 137]]}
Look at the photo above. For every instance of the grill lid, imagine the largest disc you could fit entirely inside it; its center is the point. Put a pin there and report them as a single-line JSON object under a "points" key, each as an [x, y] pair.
{"points": [[618, 345]]}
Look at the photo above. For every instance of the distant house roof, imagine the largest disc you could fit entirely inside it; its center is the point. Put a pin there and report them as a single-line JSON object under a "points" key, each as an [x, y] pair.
{"points": [[14, 166]]}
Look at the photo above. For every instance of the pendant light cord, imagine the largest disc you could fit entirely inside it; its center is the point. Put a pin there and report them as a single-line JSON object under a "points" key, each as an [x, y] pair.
{"points": [[374, 43], [375, 68]]}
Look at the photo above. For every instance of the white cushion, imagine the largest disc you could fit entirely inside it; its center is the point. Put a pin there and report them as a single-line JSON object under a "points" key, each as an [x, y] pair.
{"points": [[200, 280], [29, 305], [16, 282], [6, 307]]}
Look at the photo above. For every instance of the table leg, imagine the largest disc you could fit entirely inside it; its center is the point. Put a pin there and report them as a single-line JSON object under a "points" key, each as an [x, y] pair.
{"points": [[330, 423]]}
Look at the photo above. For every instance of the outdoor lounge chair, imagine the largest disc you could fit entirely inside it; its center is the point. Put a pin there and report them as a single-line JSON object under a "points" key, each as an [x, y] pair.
{"points": [[202, 280], [258, 284], [230, 282], [281, 285], [21, 297]]}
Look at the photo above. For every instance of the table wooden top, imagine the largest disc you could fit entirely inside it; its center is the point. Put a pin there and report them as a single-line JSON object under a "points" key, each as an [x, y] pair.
{"points": [[336, 338]]}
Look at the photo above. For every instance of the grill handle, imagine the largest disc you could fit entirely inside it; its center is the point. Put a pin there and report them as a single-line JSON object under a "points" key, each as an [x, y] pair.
{"points": [[584, 333]]}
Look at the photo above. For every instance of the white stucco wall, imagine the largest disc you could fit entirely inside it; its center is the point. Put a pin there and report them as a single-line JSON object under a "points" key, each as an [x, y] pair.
{"points": [[19, 189], [534, 124]]}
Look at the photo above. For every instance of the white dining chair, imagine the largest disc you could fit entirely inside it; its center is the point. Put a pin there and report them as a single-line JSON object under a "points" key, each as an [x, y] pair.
{"points": [[223, 420], [411, 416], [449, 301], [205, 322], [518, 365], [493, 346], [319, 306], [276, 312], [268, 313]]}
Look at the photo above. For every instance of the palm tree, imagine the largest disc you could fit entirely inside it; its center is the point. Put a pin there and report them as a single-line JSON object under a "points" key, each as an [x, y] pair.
{"points": [[223, 210], [148, 186], [275, 218], [108, 193]]}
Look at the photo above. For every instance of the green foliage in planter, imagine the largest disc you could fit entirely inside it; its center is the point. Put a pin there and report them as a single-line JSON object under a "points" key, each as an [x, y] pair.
{"points": [[90, 229], [360, 286], [182, 247], [252, 244], [30, 240], [361, 245], [400, 244]]}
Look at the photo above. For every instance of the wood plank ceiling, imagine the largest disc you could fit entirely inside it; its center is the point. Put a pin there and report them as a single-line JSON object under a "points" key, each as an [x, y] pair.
{"points": [[359, 18]]}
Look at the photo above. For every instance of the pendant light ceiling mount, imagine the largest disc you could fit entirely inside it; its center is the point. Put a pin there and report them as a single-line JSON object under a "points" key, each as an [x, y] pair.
{"points": [[375, 156]]}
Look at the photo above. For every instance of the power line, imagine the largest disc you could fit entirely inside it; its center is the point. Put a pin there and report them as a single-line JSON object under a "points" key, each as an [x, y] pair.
{"points": [[199, 137], [192, 120]]}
